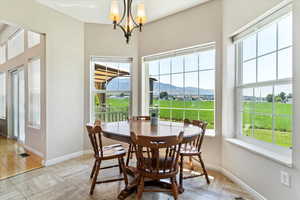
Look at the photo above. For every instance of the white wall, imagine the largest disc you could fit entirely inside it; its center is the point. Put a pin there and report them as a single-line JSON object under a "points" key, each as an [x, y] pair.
{"points": [[64, 72], [103, 40], [198, 25], [259, 172]]}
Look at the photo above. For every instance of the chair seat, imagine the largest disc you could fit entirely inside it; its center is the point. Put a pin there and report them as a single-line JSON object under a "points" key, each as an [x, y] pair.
{"points": [[189, 151], [113, 151]]}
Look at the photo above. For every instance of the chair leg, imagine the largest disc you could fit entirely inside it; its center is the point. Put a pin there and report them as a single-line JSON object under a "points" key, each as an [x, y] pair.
{"points": [[174, 188], [128, 155], [120, 167], [140, 189], [204, 170], [98, 163], [124, 171], [93, 170], [181, 172]]}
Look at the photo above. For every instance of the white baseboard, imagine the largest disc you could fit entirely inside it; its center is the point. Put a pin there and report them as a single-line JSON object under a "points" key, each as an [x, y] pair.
{"points": [[243, 185], [33, 151], [63, 158]]}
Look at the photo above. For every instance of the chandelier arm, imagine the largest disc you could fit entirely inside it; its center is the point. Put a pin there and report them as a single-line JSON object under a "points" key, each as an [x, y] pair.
{"points": [[124, 13], [135, 27], [123, 29], [131, 16]]}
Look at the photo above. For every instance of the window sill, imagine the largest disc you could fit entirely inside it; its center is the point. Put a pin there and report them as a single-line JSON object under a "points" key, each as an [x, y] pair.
{"points": [[277, 157]]}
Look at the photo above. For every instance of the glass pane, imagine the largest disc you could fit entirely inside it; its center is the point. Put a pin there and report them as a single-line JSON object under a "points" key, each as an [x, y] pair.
{"points": [[153, 67], [124, 67], [249, 47], [264, 100], [16, 45], [207, 59], [177, 64], [177, 115], [247, 123], [2, 95], [285, 63], [34, 86], [207, 82], [177, 85], [283, 131], [165, 66], [164, 90], [21, 105], [249, 72], [285, 32], [263, 128], [283, 100], [191, 83], [165, 114], [191, 62], [33, 39], [248, 100], [267, 40], [2, 54], [267, 68]]}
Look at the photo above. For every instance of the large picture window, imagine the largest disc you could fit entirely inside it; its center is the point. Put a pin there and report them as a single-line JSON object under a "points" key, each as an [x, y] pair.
{"points": [[110, 89], [182, 85], [264, 89]]}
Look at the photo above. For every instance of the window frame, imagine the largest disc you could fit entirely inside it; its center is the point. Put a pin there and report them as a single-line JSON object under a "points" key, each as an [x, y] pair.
{"points": [[93, 60], [186, 52], [239, 86]]}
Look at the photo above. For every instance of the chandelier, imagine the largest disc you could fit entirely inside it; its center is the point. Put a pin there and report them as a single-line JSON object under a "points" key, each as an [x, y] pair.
{"points": [[127, 23]]}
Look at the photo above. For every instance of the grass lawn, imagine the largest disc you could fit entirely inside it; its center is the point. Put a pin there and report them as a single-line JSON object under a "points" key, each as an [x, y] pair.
{"points": [[261, 121]]}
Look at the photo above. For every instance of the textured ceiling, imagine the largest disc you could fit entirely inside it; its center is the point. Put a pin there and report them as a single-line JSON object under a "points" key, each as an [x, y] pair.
{"points": [[97, 11]]}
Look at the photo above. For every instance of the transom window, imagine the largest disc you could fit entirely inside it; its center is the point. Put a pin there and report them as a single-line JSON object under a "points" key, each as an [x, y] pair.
{"points": [[264, 89], [182, 85]]}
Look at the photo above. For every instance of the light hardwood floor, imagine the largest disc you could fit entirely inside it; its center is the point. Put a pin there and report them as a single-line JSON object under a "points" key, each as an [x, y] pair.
{"points": [[70, 181], [11, 163]]}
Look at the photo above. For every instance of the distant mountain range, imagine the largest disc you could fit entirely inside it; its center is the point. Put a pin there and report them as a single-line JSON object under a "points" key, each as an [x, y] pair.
{"points": [[124, 84]]}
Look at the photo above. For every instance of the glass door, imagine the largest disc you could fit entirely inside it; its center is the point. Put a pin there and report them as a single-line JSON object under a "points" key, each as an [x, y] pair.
{"points": [[18, 104]]}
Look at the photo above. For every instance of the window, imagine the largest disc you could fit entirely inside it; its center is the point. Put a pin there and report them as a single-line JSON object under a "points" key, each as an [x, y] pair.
{"points": [[2, 95], [182, 85], [110, 89], [2, 54], [33, 39], [15, 45], [264, 89], [34, 93]]}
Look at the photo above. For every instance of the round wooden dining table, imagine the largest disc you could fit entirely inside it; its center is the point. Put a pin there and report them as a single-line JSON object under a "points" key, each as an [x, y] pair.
{"points": [[120, 131]]}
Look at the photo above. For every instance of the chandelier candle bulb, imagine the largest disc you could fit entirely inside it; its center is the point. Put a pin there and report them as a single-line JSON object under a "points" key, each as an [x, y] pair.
{"points": [[115, 11]]}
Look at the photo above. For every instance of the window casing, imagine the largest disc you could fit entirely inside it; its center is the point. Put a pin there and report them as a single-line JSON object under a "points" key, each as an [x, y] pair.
{"points": [[264, 83], [182, 85]]}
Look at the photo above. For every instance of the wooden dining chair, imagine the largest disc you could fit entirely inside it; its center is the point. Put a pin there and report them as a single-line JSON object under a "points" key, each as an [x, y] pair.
{"points": [[102, 153], [131, 149], [193, 149], [157, 158]]}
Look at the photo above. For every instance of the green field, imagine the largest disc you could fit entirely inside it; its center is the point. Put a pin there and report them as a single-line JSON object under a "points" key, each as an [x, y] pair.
{"points": [[262, 119]]}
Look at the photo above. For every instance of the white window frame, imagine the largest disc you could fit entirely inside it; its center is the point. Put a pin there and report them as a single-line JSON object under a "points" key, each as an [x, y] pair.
{"points": [[5, 94], [93, 60], [273, 18], [180, 52]]}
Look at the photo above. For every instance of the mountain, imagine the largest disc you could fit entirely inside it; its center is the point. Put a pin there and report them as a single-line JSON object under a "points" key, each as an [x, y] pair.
{"points": [[124, 84]]}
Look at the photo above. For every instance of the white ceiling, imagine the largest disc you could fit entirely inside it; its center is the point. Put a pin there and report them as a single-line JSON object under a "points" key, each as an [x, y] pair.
{"points": [[97, 11]]}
